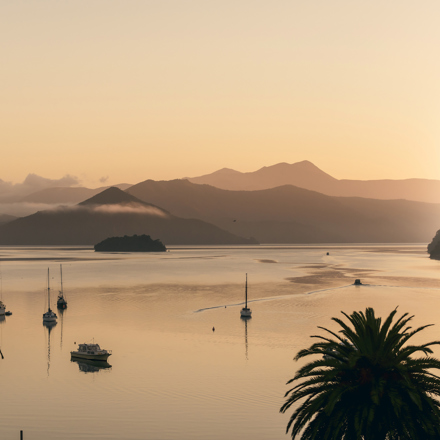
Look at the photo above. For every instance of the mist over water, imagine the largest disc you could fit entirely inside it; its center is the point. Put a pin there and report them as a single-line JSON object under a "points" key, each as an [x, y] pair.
{"points": [[171, 376]]}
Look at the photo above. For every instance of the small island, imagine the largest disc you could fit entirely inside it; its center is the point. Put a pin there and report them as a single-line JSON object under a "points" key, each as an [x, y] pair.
{"points": [[434, 247], [134, 243]]}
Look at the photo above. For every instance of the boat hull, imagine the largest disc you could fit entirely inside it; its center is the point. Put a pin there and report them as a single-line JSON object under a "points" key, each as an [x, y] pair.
{"points": [[246, 313], [49, 316], [61, 304], [49, 319], [91, 357]]}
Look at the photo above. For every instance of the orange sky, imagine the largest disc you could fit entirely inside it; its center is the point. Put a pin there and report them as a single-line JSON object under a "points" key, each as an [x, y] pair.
{"points": [[132, 90]]}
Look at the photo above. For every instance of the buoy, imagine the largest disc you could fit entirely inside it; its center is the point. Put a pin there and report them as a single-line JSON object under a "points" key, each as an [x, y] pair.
{"points": [[213, 329]]}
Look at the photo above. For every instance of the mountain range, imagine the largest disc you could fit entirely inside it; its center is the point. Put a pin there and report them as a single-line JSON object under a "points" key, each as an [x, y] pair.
{"points": [[184, 212], [113, 212], [308, 176], [288, 214]]}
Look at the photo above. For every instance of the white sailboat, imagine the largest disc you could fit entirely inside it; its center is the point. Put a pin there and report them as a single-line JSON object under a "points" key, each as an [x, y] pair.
{"points": [[246, 312], [49, 316], [61, 301]]}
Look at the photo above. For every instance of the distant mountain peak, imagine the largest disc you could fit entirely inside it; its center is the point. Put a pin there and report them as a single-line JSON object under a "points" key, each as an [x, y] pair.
{"points": [[223, 172], [112, 196]]}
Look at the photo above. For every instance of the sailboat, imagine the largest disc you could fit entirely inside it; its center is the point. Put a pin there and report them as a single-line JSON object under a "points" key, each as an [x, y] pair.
{"points": [[246, 312], [61, 301], [49, 316]]}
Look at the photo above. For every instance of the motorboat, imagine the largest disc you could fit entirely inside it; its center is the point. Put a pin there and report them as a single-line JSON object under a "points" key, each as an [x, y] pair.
{"points": [[61, 301], [91, 352], [49, 316], [246, 312]]}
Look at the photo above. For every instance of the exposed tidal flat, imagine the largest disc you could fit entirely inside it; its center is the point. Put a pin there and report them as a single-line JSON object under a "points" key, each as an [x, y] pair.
{"points": [[171, 375]]}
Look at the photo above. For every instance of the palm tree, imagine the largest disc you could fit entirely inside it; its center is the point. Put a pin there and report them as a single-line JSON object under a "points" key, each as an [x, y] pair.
{"points": [[366, 384]]}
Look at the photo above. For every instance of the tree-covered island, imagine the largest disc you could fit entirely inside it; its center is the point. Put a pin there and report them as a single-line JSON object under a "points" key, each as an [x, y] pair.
{"points": [[434, 247], [134, 243]]}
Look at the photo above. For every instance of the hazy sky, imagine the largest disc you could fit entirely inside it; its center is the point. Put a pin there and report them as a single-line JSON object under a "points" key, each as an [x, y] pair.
{"points": [[132, 90]]}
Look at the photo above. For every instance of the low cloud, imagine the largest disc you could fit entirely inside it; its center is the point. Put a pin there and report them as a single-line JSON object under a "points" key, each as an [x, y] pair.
{"points": [[22, 209], [103, 179], [133, 208], [13, 192]]}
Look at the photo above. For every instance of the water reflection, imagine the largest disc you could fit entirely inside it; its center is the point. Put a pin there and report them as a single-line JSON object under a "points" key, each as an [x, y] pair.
{"points": [[89, 366], [2, 319], [61, 312], [246, 319], [49, 325]]}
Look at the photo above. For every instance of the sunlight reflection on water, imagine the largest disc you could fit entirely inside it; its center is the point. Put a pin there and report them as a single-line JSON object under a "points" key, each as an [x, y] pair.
{"points": [[171, 375]]}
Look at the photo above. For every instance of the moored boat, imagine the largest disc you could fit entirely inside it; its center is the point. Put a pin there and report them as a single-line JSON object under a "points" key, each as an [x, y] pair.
{"points": [[246, 312], [91, 351], [61, 301], [49, 316]]}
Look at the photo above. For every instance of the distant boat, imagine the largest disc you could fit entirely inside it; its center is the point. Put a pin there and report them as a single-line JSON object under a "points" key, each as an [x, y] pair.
{"points": [[246, 312], [61, 301], [2, 309], [49, 316], [92, 352]]}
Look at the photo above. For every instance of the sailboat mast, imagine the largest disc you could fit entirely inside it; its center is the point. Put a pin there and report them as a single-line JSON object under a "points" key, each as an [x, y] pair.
{"points": [[246, 292], [48, 290], [61, 272]]}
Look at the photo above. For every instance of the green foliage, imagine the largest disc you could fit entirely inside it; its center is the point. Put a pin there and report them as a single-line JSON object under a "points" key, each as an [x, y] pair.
{"points": [[134, 243], [366, 384], [434, 247]]}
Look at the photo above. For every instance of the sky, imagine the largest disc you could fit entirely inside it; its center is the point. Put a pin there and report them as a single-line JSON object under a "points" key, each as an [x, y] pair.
{"points": [[109, 91]]}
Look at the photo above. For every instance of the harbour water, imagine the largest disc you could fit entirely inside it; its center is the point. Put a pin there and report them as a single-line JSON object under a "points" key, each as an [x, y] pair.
{"points": [[184, 365]]}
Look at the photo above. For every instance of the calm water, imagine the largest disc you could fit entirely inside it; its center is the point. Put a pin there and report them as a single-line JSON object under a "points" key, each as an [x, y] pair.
{"points": [[171, 376]]}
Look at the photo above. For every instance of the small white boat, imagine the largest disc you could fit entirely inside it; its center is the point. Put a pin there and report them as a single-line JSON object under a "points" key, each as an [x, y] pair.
{"points": [[246, 312], [49, 316], [92, 352]]}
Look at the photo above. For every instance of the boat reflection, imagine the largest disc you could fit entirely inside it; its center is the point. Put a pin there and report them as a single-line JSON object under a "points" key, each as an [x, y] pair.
{"points": [[49, 325], [89, 366], [246, 319], [2, 319], [61, 312]]}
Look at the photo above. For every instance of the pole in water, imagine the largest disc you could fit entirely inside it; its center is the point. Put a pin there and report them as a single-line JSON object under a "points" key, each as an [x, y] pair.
{"points": [[21, 435]]}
